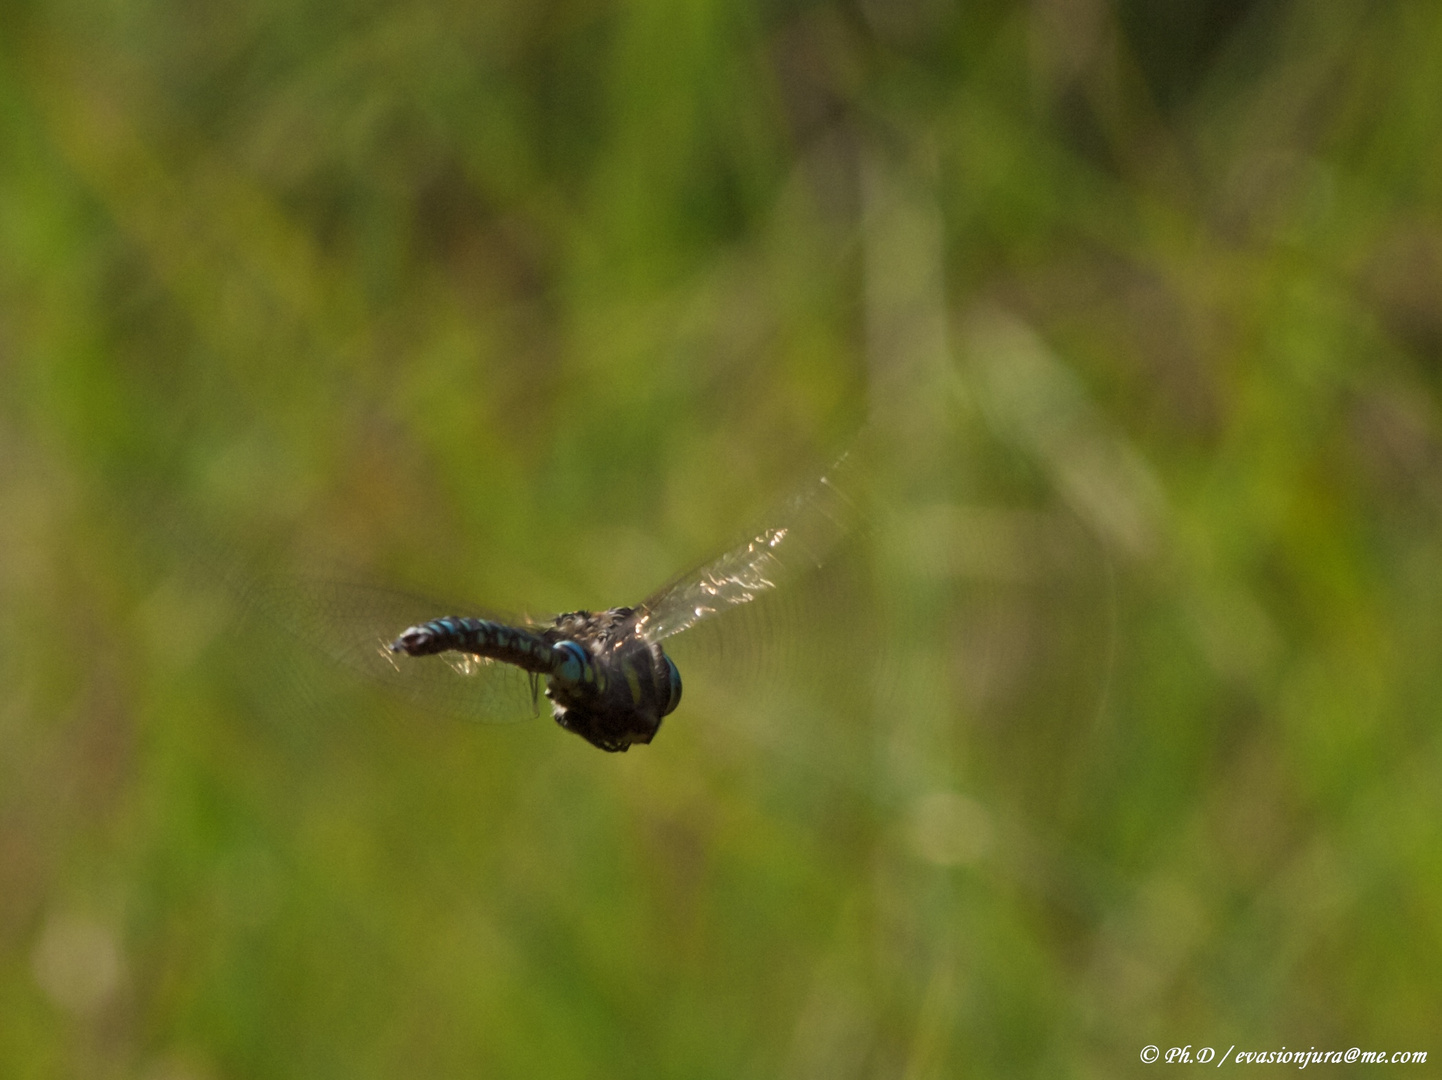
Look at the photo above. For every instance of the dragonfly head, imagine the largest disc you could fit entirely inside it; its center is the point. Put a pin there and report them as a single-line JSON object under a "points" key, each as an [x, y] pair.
{"points": [[616, 698]]}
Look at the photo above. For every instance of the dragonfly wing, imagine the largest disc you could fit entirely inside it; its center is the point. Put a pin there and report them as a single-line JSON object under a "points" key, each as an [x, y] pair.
{"points": [[808, 527], [351, 625]]}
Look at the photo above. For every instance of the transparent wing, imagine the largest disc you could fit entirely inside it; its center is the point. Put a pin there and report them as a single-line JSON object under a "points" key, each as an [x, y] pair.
{"points": [[931, 622], [807, 529], [351, 625]]}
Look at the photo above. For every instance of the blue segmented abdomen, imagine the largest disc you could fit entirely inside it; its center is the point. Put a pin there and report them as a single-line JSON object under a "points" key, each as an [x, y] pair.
{"points": [[482, 637]]}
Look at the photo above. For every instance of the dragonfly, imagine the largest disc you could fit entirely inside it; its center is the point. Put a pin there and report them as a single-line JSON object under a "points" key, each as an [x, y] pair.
{"points": [[606, 674]]}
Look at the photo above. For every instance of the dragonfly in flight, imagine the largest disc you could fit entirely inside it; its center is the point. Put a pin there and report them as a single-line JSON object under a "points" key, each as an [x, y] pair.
{"points": [[606, 674]]}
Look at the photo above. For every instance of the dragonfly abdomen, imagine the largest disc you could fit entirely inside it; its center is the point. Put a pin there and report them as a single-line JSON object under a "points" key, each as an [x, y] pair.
{"points": [[480, 637]]}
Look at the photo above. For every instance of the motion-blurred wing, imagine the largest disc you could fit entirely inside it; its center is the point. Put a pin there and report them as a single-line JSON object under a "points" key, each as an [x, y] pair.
{"points": [[808, 527]]}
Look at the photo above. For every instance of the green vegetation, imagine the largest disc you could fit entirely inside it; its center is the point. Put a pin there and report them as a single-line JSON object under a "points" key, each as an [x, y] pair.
{"points": [[1115, 725]]}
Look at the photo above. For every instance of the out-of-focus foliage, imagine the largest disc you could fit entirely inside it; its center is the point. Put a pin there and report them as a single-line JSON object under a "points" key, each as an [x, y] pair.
{"points": [[1139, 308]]}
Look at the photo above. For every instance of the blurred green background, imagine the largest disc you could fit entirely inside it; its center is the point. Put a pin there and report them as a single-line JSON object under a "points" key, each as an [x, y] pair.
{"points": [[1127, 734]]}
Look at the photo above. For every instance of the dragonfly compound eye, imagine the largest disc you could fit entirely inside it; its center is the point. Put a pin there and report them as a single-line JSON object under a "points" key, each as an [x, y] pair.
{"points": [[674, 681], [573, 664]]}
